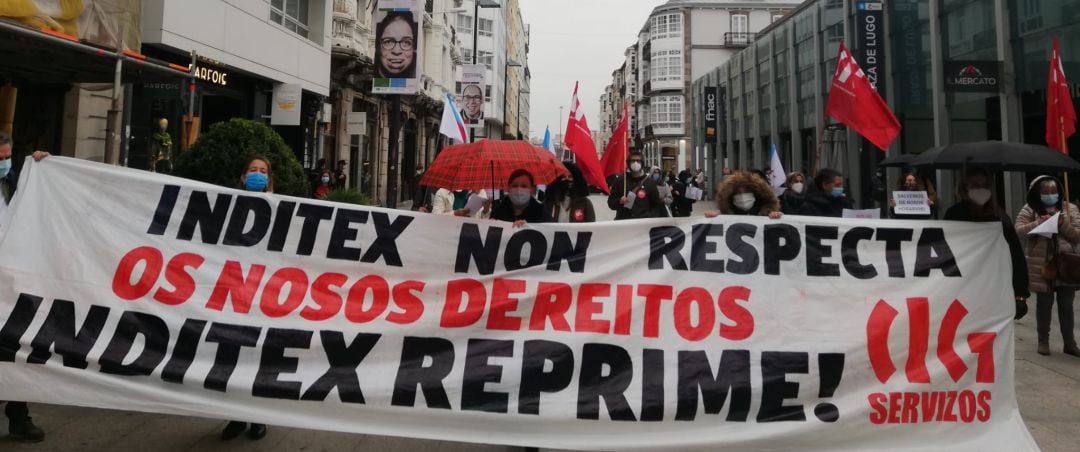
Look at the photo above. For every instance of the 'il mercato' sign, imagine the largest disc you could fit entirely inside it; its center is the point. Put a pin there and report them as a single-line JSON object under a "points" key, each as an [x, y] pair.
{"points": [[973, 76]]}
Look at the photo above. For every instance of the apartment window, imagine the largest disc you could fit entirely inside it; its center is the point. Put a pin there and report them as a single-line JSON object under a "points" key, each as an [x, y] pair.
{"points": [[740, 23], [487, 58], [486, 27], [467, 53], [666, 112], [291, 14], [464, 23], [666, 26], [666, 69]]}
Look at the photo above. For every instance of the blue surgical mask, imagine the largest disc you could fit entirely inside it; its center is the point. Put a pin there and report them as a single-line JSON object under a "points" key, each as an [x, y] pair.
{"points": [[1049, 200], [520, 196], [837, 192], [256, 181], [5, 167]]}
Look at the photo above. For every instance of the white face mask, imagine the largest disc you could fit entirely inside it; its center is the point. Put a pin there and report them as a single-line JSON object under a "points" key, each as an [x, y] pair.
{"points": [[980, 196], [744, 201], [520, 196], [797, 187], [635, 167]]}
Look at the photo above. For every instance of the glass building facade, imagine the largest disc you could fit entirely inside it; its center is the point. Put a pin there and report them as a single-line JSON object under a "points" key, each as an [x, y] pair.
{"points": [[775, 90]]}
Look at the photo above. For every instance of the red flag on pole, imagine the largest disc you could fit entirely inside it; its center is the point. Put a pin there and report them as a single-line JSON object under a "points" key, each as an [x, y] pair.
{"points": [[571, 122], [585, 150], [855, 103], [1060, 114], [614, 160]]}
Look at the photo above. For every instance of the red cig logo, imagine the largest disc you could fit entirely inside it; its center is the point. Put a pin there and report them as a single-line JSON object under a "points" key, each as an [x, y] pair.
{"points": [[881, 323]]}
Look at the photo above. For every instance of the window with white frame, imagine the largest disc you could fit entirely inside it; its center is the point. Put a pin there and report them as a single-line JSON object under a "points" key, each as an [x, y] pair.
{"points": [[666, 68], [487, 58], [666, 112], [665, 26], [467, 53], [291, 14], [464, 23], [487, 27], [740, 23]]}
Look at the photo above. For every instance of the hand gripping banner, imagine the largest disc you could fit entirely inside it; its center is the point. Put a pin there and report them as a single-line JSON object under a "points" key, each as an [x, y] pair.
{"points": [[130, 290]]}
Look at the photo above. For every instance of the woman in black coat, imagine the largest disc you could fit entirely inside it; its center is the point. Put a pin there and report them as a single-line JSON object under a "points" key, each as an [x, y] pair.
{"points": [[567, 200], [520, 206]]}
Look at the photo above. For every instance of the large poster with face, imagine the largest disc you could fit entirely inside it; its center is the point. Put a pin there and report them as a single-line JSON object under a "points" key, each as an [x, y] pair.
{"points": [[398, 40], [472, 95]]}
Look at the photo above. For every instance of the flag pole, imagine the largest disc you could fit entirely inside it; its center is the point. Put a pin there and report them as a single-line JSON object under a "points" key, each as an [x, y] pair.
{"points": [[626, 156], [1065, 149]]}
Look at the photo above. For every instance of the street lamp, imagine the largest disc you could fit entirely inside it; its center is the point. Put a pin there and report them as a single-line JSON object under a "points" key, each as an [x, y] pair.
{"points": [[506, 82], [520, 92], [477, 4]]}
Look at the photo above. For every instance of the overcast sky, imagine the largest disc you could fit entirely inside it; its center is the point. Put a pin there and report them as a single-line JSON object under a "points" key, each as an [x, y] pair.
{"points": [[577, 40]]}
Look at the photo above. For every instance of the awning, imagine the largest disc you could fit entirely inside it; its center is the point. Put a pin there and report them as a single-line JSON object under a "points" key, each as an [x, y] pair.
{"points": [[38, 56]]}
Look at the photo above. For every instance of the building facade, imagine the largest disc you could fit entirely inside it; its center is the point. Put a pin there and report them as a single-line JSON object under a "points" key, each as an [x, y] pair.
{"points": [[365, 147], [775, 91], [244, 51], [680, 41]]}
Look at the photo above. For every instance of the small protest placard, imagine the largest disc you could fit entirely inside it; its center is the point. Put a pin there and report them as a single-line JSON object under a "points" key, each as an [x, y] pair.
{"points": [[911, 203], [868, 214]]}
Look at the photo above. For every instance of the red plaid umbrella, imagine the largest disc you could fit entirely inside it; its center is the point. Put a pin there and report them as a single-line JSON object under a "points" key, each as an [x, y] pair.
{"points": [[488, 164]]}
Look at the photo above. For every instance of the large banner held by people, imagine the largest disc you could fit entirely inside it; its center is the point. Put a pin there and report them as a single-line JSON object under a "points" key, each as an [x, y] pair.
{"points": [[136, 291]]}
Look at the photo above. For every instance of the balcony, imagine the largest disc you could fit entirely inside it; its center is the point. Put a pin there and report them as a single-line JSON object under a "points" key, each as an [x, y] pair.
{"points": [[738, 40]]}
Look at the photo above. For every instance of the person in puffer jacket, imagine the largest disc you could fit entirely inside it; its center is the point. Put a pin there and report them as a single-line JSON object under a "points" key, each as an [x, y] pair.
{"points": [[1044, 200]]}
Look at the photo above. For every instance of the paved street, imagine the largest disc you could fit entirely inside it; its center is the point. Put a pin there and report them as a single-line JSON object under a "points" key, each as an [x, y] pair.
{"points": [[1048, 388]]}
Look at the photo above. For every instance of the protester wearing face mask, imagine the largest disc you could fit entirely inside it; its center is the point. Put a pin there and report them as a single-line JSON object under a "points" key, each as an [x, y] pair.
{"points": [[745, 193], [520, 206], [1043, 202], [257, 177], [641, 198], [323, 188], [912, 182], [682, 206], [826, 198], [794, 196], [567, 199], [977, 205], [662, 186]]}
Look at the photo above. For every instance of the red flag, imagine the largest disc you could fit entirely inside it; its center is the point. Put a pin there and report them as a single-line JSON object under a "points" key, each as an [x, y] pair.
{"points": [[571, 122], [854, 102], [585, 150], [614, 160], [1060, 114]]}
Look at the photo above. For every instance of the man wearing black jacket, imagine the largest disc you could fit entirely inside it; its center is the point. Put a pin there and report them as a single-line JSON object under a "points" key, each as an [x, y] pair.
{"points": [[826, 198], [641, 198]]}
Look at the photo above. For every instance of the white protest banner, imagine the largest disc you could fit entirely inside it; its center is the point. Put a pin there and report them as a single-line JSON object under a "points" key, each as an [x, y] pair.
{"points": [[864, 214], [154, 293], [911, 203]]}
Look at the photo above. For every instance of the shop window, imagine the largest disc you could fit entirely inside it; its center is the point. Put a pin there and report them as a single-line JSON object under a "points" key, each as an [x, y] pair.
{"points": [[291, 14]]}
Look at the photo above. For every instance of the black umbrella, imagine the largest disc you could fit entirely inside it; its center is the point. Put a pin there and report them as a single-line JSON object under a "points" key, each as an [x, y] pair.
{"points": [[997, 156], [898, 161]]}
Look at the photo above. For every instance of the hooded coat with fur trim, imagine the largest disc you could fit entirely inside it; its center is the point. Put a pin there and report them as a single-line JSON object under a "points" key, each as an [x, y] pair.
{"points": [[765, 200], [1037, 249]]}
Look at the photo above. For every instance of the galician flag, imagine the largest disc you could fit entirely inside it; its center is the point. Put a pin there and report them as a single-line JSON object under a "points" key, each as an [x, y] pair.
{"points": [[776, 172], [452, 125]]}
